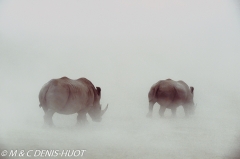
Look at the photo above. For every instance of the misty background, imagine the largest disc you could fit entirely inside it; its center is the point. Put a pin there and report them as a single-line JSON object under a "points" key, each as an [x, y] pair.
{"points": [[123, 47]]}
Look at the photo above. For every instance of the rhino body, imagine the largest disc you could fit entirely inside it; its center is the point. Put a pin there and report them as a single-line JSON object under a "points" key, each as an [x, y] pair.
{"points": [[171, 94], [67, 96]]}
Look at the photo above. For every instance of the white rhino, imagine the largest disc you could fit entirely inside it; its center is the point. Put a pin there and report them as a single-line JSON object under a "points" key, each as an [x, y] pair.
{"points": [[67, 96]]}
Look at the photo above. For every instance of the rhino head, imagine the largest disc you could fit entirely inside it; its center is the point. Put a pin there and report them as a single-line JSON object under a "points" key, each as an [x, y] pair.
{"points": [[192, 106], [96, 111]]}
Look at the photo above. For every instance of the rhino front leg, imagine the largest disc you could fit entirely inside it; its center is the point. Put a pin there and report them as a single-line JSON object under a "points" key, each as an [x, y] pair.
{"points": [[48, 117], [149, 114], [174, 112], [162, 110], [186, 110], [82, 118]]}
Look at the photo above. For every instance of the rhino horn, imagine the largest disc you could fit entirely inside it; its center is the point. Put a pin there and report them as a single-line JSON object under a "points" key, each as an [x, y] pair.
{"points": [[103, 111]]}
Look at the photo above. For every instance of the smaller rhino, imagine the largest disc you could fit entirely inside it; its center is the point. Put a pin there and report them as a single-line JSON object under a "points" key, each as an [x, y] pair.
{"points": [[171, 94]]}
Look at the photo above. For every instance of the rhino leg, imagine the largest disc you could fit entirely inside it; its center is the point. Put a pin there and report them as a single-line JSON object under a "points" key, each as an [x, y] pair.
{"points": [[48, 117], [162, 110], [149, 114], [186, 110], [173, 112], [82, 118]]}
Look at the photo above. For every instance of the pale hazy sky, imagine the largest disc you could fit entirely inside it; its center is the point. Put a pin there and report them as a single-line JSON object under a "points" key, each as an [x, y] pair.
{"points": [[153, 19], [178, 37], [200, 37]]}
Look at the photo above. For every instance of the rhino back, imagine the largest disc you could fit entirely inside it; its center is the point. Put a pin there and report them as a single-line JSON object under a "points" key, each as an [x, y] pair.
{"points": [[169, 93], [166, 92], [67, 96], [161, 92], [57, 95], [80, 97]]}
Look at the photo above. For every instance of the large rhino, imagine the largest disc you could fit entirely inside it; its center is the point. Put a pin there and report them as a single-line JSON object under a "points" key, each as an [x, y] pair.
{"points": [[67, 96], [171, 94]]}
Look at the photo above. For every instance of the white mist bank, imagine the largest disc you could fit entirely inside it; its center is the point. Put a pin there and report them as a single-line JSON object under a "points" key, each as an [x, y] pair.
{"points": [[125, 132]]}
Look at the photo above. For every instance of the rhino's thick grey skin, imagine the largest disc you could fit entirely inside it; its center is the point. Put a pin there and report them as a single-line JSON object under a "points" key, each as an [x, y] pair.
{"points": [[171, 94], [67, 96]]}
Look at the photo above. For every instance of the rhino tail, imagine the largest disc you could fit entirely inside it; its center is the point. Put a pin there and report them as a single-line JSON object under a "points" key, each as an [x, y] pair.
{"points": [[42, 95], [152, 93]]}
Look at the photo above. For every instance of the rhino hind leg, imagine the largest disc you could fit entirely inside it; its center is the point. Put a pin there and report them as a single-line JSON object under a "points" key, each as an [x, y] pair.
{"points": [[149, 114], [48, 117], [162, 110]]}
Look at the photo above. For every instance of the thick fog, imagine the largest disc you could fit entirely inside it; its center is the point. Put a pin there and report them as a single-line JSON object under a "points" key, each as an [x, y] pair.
{"points": [[124, 47]]}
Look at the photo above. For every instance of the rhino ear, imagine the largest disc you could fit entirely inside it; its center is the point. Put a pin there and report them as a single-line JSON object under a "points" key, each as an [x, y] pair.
{"points": [[98, 91], [192, 89]]}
